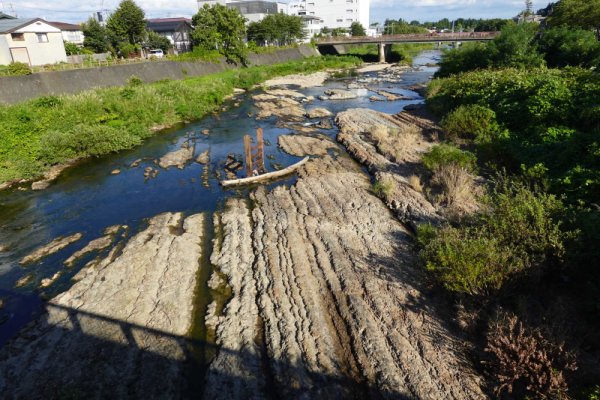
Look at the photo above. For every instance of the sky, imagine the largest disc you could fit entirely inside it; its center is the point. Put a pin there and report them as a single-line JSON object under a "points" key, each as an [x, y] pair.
{"points": [[422, 10]]}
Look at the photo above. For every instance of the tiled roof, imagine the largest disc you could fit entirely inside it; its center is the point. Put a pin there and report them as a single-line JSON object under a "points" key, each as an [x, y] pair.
{"points": [[9, 25]]}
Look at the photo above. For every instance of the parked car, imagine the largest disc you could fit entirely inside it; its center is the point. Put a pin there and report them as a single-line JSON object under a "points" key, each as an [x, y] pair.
{"points": [[158, 53]]}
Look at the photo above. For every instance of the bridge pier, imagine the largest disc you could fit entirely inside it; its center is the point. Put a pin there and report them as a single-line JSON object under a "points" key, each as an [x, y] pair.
{"points": [[384, 49]]}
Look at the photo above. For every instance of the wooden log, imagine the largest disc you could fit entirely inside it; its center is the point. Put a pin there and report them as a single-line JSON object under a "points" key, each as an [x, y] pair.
{"points": [[265, 177]]}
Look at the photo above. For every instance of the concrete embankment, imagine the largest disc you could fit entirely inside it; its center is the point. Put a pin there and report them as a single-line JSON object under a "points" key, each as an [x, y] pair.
{"points": [[20, 88]]}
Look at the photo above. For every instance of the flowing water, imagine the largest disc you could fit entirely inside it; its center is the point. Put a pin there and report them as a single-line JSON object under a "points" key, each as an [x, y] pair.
{"points": [[88, 198]]}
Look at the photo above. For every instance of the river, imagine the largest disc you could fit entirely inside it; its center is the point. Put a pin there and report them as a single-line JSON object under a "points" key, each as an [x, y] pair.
{"points": [[88, 198]]}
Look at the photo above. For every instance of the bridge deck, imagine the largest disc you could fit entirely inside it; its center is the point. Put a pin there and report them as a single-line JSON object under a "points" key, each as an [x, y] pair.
{"points": [[416, 38]]}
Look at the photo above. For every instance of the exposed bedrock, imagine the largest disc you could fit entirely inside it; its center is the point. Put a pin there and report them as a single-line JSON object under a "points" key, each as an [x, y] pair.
{"points": [[332, 293], [412, 136], [119, 332]]}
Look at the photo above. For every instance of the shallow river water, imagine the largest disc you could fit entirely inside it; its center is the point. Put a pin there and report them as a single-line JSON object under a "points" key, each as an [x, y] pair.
{"points": [[88, 198]]}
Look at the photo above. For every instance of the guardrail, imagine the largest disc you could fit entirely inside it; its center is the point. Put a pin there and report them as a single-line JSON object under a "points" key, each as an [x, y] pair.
{"points": [[442, 37]]}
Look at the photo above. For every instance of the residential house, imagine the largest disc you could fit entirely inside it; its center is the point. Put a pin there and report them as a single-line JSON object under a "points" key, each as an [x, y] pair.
{"points": [[30, 41], [177, 30], [70, 32]]}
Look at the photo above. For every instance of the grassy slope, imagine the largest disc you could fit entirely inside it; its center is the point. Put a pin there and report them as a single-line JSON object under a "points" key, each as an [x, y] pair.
{"points": [[39, 133]]}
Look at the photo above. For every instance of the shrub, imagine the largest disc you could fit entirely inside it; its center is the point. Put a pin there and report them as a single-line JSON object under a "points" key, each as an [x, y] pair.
{"points": [[524, 363], [458, 189], [384, 188], [18, 68], [471, 122], [517, 235], [443, 155]]}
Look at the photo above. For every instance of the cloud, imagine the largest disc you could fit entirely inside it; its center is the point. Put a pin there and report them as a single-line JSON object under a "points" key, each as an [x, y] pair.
{"points": [[80, 10]]}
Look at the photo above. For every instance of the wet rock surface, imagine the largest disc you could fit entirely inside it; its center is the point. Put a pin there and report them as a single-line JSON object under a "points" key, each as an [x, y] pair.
{"points": [[178, 158], [318, 112], [119, 332], [51, 248], [204, 157], [338, 94], [94, 245]]}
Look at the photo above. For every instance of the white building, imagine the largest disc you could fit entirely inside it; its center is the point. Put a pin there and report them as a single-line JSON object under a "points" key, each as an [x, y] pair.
{"points": [[334, 13], [30, 41], [252, 10], [70, 32]]}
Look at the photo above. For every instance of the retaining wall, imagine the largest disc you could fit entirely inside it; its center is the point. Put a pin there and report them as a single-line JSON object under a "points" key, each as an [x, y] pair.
{"points": [[15, 89]]}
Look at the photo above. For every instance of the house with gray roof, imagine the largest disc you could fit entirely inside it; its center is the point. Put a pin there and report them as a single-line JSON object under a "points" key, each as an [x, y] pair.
{"points": [[30, 41]]}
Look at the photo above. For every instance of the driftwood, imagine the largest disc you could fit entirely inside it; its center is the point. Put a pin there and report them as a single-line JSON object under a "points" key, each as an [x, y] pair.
{"points": [[265, 177]]}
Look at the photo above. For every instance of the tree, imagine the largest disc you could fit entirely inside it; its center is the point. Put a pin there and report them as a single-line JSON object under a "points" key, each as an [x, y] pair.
{"points": [[279, 29], [127, 23], [155, 41], [528, 8], [221, 28], [564, 46], [516, 47], [583, 14], [71, 48], [95, 37], [356, 29]]}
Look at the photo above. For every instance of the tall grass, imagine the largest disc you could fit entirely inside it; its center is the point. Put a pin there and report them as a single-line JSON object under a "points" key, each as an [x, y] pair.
{"points": [[39, 133]]}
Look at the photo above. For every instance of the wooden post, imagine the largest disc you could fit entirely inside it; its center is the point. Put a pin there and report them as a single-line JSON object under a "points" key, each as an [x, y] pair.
{"points": [[248, 155], [260, 151]]}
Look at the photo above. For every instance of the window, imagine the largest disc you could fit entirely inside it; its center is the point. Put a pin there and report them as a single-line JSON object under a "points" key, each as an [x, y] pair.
{"points": [[18, 37], [42, 37]]}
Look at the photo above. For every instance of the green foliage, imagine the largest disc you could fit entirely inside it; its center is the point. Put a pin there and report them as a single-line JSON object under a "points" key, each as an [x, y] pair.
{"points": [[472, 122], [15, 69], [278, 29], [584, 14], [155, 41], [515, 47], [552, 117], [563, 46], [383, 188], [223, 29], [400, 53], [401, 27], [39, 133], [518, 234], [126, 49], [95, 36], [72, 49], [356, 29], [443, 155], [127, 23]]}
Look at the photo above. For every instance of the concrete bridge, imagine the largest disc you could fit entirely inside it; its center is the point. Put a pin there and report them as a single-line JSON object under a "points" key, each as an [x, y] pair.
{"points": [[385, 41]]}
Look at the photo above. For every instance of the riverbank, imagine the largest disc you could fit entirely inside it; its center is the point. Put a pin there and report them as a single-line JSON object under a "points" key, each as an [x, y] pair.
{"points": [[54, 130]]}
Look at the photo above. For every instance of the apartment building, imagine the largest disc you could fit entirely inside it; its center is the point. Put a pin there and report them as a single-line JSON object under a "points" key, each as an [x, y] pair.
{"points": [[334, 13]]}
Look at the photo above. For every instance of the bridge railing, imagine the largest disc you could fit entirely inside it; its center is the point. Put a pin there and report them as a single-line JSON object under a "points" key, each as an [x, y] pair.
{"points": [[411, 37]]}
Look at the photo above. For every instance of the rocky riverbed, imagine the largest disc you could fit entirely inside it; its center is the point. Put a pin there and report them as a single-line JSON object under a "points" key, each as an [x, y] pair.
{"points": [[320, 294]]}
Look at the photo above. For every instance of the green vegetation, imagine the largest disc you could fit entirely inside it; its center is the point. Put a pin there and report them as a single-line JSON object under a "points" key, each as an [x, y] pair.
{"points": [[401, 27], [14, 69], [39, 133], [384, 188], [443, 155], [356, 29], [127, 24], [276, 29], [525, 269], [517, 233], [223, 29], [153, 40], [95, 37]]}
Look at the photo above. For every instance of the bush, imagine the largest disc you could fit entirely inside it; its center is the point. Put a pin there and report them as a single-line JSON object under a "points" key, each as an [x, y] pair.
{"points": [[384, 188], [517, 235], [524, 363], [15, 69], [471, 122], [443, 155], [563, 46]]}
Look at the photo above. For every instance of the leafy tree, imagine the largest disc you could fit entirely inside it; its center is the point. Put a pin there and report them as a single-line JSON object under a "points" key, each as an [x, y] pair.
{"points": [[325, 31], [356, 29], [338, 32], [155, 41], [516, 47], [127, 23], [278, 29], [220, 28], [562, 46], [95, 37], [584, 14], [401, 27], [528, 8]]}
